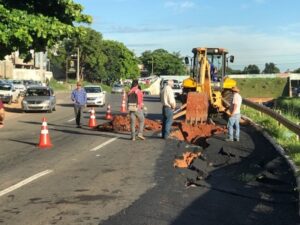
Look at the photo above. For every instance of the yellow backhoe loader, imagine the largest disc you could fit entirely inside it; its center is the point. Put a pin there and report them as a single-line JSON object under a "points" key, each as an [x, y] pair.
{"points": [[206, 90]]}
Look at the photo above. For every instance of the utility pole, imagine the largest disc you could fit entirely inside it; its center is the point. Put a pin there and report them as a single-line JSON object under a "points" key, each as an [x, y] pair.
{"points": [[67, 68], [152, 66], [5, 69], [77, 71]]}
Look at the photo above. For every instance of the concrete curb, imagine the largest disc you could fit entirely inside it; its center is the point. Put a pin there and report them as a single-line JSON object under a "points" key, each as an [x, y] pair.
{"points": [[281, 151]]}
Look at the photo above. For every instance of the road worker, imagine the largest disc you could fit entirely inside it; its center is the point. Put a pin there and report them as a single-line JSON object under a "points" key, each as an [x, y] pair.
{"points": [[79, 99]]}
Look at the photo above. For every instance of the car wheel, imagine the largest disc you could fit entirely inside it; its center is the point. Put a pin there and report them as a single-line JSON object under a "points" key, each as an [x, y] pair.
{"points": [[9, 101], [54, 108], [50, 110]]}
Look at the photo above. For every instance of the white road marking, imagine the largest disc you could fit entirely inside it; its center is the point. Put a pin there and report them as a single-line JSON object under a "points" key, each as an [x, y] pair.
{"points": [[24, 182], [103, 144], [71, 120]]}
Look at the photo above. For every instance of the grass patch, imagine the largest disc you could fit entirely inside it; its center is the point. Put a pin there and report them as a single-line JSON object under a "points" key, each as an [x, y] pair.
{"points": [[63, 86], [262, 87], [289, 105], [59, 85]]}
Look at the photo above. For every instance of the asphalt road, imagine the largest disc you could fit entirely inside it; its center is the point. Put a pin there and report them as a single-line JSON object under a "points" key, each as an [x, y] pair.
{"points": [[92, 177]]}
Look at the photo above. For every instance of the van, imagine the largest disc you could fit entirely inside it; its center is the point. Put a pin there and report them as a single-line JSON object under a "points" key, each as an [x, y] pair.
{"points": [[8, 93]]}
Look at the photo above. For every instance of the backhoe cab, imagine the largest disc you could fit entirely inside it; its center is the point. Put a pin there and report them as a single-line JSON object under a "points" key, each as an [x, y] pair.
{"points": [[207, 88]]}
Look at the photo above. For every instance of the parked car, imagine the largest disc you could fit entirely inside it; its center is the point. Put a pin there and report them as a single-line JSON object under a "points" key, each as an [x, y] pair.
{"points": [[296, 91], [8, 93], [19, 85], [29, 83], [117, 88], [95, 95], [39, 98], [176, 87]]}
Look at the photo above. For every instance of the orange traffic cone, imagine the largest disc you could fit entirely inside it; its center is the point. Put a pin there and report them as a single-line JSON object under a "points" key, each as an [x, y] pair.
{"points": [[123, 106], [108, 115], [92, 120], [44, 136]]}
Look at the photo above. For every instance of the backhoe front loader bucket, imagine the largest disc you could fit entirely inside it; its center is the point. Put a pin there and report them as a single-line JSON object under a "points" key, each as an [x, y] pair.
{"points": [[196, 108]]}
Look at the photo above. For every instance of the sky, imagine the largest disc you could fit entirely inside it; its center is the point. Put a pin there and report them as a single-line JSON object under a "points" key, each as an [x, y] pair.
{"points": [[254, 31]]}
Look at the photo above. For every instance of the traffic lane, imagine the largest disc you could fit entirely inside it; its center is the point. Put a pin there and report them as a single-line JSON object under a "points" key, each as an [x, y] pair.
{"points": [[19, 147], [234, 192], [36, 161], [20, 137], [86, 188]]}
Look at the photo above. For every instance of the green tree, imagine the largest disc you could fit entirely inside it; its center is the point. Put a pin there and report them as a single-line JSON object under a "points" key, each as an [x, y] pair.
{"points": [[92, 58], [296, 70], [270, 68], [232, 71], [251, 69], [27, 24], [121, 62], [163, 63]]}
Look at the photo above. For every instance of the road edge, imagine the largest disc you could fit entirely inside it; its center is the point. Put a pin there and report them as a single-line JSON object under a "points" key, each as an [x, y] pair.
{"points": [[281, 151]]}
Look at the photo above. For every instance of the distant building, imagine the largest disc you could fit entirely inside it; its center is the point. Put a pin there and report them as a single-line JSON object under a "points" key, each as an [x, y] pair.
{"points": [[14, 67]]}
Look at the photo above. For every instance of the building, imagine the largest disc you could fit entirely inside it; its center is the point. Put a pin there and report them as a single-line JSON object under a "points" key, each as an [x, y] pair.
{"points": [[14, 68]]}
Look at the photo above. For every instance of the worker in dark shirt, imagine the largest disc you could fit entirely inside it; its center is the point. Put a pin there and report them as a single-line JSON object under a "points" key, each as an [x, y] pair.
{"points": [[2, 114]]}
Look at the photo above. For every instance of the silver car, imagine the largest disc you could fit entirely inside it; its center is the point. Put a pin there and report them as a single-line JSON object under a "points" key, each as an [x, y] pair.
{"points": [[117, 88], [39, 98]]}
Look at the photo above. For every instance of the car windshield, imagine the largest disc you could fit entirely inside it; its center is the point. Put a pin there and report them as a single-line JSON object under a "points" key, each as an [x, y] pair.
{"points": [[92, 89], [117, 85], [38, 92], [5, 87], [17, 82]]}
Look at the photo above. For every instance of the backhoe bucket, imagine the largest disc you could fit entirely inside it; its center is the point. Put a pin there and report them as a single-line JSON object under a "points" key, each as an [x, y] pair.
{"points": [[196, 108]]}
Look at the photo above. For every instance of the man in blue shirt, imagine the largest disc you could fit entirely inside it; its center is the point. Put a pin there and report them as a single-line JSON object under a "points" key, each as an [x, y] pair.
{"points": [[78, 97]]}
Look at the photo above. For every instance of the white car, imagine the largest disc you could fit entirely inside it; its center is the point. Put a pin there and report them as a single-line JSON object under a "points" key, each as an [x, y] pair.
{"points": [[19, 85], [8, 93], [95, 95], [176, 87]]}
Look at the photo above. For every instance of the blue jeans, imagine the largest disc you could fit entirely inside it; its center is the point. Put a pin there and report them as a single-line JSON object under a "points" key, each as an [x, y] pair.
{"points": [[234, 120], [167, 121], [140, 115]]}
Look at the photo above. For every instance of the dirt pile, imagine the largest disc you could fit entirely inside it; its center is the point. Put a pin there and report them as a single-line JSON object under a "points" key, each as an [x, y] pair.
{"points": [[121, 123], [186, 159], [196, 134]]}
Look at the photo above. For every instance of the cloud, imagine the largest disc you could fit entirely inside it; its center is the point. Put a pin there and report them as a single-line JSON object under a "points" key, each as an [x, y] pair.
{"points": [[248, 45], [292, 29], [179, 6]]}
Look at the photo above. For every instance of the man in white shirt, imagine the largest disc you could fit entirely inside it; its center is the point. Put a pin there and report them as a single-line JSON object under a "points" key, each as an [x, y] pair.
{"points": [[169, 104], [235, 115]]}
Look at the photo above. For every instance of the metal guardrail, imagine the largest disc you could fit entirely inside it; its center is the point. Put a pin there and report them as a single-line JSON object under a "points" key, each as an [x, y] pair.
{"points": [[285, 122]]}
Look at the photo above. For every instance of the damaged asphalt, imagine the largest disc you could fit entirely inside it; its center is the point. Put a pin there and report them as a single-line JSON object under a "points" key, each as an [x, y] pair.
{"points": [[231, 183]]}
